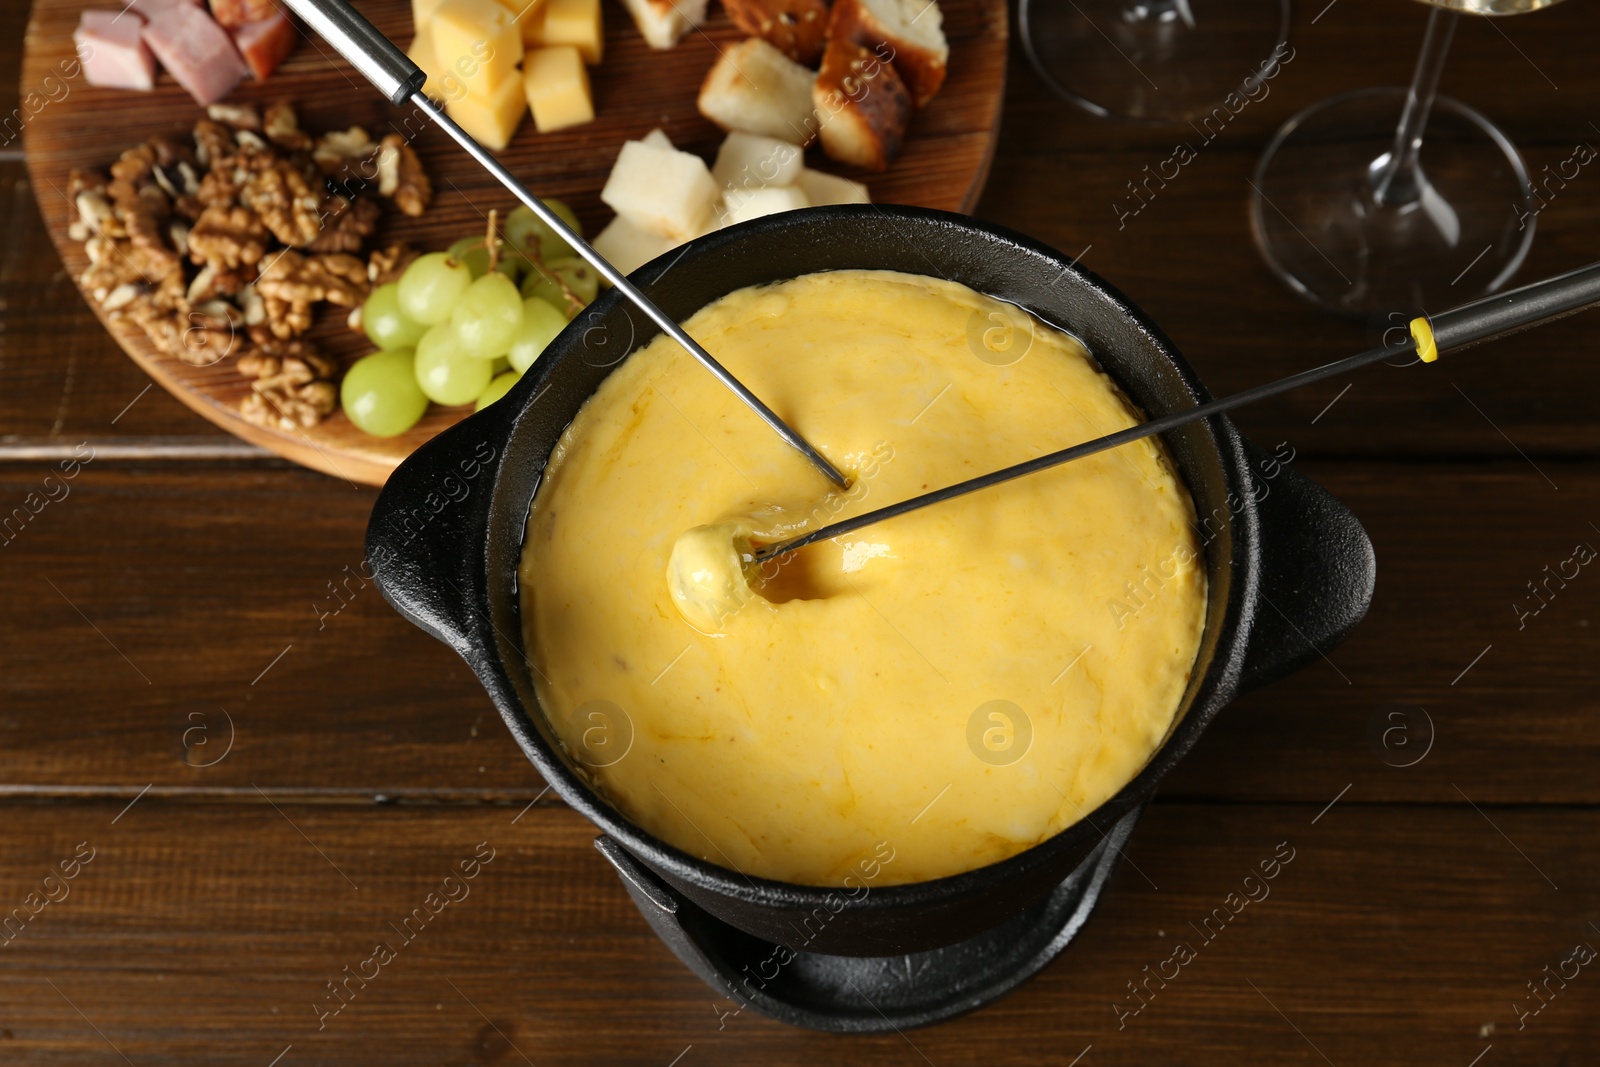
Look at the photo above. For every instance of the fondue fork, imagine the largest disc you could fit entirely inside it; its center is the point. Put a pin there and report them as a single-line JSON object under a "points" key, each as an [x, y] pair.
{"points": [[1481, 320], [401, 80]]}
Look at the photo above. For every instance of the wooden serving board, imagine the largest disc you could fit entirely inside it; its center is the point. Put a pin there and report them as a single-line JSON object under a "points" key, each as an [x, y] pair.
{"points": [[943, 165]]}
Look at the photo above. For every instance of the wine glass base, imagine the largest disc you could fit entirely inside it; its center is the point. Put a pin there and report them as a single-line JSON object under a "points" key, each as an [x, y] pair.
{"points": [[1322, 231], [1149, 61]]}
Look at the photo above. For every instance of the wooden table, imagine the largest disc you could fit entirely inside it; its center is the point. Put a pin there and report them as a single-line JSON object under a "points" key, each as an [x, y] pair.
{"points": [[262, 793]]}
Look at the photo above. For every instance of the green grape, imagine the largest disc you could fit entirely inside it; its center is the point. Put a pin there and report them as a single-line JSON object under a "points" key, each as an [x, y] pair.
{"points": [[540, 324], [528, 232], [501, 365], [578, 275], [446, 374], [470, 252], [386, 325], [582, 279], [486, 317], [431, 286], [512, 264], [380, 393], [499, 387], [475, 254]]}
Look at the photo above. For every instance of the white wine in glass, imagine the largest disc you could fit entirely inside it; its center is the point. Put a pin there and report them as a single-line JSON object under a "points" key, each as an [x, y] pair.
{"points": [[1356, 211]]}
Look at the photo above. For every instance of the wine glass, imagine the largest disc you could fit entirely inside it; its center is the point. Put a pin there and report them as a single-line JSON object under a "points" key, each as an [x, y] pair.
{"points": [[1152, 60], [1357, 213]]}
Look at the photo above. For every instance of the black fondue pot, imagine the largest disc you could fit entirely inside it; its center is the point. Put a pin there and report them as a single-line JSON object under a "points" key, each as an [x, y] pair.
{"points": [[1291, 571]]}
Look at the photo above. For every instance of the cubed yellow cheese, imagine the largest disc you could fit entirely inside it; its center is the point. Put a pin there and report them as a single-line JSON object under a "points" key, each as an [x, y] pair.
{"points": [[442, 82], [422, 12], [480, 41], [528, 15], [421, 53], [558, 88], [492, 120], [533, 28], [574, 22]]}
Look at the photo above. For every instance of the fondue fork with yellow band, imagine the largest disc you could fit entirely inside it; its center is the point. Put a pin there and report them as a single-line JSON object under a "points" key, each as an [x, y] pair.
{"points": [[711, 566], [1481, 320]]}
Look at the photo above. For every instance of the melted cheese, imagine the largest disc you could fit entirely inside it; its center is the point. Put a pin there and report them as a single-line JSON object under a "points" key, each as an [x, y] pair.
{"points": [[959, 683]]}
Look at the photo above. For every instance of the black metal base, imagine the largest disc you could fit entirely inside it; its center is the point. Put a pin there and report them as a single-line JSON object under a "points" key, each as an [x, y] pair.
{"points": [[870, 994]]}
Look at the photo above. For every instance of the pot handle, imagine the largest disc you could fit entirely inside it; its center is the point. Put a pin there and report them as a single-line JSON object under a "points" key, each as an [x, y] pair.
{"points": [[429, 530], [1317, 574]]}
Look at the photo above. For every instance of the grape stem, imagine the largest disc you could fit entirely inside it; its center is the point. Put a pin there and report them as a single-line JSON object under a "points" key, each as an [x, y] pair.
{"points": [[536, 261], [574, 305]]}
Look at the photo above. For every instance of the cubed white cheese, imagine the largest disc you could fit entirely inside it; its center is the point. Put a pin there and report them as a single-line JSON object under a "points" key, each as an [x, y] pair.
{"points": [[667, 192], [823, 188], [629, 247], [747, 204], [751, 161]]}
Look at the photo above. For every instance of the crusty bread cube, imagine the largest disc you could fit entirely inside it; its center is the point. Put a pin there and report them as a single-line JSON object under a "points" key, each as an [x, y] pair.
{"points": [[797, 28], [823, 189], [667, 192], [756, 88], [663, 23], [747, 204], [750, 161], [628, 246], [907, 33], [862, 105]]}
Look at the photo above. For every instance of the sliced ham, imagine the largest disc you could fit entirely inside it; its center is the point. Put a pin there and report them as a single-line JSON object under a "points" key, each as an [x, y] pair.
{"points": [[237, 13], [266, 43], [195, 51], [113, 51], [151, 8]]}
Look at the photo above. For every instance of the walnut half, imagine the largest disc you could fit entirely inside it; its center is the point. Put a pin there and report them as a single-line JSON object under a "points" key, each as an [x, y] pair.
{"points": [[228, 237], [346, 224], [281, 194], [293, 388], [401, 177], [291, 283], [387, 264]]}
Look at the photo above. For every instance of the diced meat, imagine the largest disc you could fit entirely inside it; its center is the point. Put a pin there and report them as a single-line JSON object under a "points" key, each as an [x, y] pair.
{"points": [[195, 51], [151, 8], [266, 43], [236, 13], [113, 51]]}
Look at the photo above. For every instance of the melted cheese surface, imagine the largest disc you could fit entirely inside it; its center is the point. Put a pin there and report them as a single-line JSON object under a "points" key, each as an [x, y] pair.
{"points": [[960, 683]]}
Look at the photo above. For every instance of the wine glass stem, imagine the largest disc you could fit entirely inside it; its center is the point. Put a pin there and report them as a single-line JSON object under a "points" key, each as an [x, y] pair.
{"points": [[1397, 180]]}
